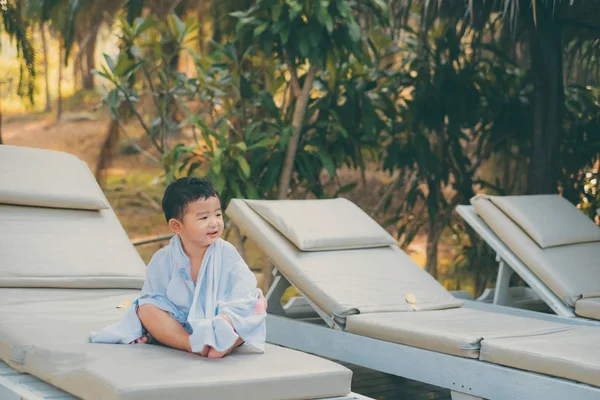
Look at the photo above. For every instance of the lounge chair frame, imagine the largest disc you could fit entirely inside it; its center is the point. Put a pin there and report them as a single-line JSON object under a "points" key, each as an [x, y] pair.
{"points": [[509, 263], [466, 378], [15, 385]]}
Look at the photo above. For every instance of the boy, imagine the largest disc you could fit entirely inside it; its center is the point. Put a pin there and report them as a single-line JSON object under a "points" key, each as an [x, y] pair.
{"points": [[199, 295]]}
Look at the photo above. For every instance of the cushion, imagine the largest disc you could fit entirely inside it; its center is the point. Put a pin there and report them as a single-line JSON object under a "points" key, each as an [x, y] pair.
{"points": [[572, 354], [572, 271], [63, 357], [46, 178], [550, 220], [350, 281], [588, 308], [316, 225], [52, 247], [457, 332]]}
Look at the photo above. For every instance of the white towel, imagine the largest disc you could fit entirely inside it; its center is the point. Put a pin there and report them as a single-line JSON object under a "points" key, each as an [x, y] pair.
{"points": [[225, 286]]}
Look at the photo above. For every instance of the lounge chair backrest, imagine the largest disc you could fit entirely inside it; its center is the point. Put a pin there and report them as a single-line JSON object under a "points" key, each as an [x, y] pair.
{"points": [[551, 237], [58, 229], [44, 178], [550, 220], [343, 282], [317, 225]]}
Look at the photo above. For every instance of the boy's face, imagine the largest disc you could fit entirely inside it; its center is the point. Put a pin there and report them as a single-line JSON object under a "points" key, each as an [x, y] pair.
{"points": [[202, 223]]}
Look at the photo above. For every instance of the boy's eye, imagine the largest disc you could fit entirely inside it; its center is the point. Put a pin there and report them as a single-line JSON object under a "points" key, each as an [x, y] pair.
{"points": [[203, 217], [219, 214]]}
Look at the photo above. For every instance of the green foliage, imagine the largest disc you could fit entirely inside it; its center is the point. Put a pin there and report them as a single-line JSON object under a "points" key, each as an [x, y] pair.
{"points": [[580, 149], [20, 30], [306, 30]]}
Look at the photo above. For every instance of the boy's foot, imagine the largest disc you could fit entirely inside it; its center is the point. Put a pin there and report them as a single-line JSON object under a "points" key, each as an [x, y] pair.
{"points": [[141, 340], [212, 353]]}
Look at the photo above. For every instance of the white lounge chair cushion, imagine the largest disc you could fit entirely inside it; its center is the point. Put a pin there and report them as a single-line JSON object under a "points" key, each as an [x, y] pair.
{"points": [[317, 225], [346, 281], [550, 220], [51, 247], [572, 271], [44, 332], [572, 354], [588, 308], [46, 178], [458, 331]]}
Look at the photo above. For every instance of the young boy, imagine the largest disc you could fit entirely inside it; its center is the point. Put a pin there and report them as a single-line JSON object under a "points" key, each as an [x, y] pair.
{"points": [[199, 295]]}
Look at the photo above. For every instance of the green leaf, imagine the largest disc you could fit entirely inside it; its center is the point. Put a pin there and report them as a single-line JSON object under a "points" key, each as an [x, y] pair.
{"points": [[251, 191], [276, 12], [148, 23], [344, 9], [285, 36], [239, 14], [269, 103], [327, 162], [219, 183], [354, 31], [109, 62], [332, 71], [315, 37], [244, 166], [322, 13], [233, 183], [345, 189], [113, 98], [223, 131], [242, 146], [266, 142], [216, 164], [304, 46], [100, 73], [295, 8], [260, 29]]}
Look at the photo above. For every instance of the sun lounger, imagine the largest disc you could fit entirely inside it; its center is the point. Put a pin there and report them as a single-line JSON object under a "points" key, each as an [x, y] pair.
{"points": [[550, 244], [388, 314], [67, 267]]}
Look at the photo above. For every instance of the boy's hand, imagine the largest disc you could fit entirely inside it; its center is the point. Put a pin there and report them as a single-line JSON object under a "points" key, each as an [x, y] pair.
{"points": [[261, 304]]}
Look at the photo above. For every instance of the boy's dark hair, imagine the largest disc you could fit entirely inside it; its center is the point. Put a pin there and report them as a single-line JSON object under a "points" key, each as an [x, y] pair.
{"points": [[182, 192]]}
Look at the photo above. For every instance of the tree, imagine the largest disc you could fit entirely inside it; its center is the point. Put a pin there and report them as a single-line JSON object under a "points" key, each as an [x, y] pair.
{"points": [[20, 30], [545, 27], [309, 38]]}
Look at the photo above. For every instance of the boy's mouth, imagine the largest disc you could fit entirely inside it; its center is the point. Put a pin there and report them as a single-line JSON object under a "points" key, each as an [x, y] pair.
{"points": [[215, 233]]}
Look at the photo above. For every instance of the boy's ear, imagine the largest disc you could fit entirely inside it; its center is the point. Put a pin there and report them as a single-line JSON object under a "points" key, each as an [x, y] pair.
{"points": [[176, 225]]}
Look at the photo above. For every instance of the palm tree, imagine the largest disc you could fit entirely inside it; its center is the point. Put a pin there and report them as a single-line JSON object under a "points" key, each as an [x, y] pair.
{"points": [[20, 30], [547, 28]]}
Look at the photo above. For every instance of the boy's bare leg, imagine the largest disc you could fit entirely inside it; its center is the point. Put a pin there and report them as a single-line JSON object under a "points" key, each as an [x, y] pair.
{"points": [[163, 327], [212, 353]]}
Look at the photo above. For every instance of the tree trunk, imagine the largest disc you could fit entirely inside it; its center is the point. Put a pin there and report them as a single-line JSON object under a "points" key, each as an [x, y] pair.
{"points": [[546, 63], [297, 122], [90, 62], [433, 240], [434, 231], [1, 141], [77, 74], [48, 105], [506, 175], [60, 77], [110, 141]]}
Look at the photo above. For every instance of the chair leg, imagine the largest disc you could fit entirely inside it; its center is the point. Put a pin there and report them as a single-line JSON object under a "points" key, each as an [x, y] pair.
{"points": [[502, 283], [277, 289]]}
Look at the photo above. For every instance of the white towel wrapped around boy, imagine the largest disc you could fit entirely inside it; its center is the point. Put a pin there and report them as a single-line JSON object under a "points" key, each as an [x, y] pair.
{"points": [[199, 294]]}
